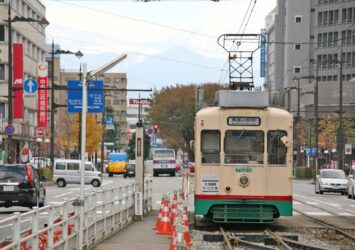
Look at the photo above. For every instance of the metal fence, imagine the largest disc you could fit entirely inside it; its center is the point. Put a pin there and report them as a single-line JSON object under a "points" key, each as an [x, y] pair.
{"points": [[56, 225]]}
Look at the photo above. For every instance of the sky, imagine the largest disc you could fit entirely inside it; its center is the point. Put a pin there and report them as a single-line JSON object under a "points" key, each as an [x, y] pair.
{"points": [[102, 29]]}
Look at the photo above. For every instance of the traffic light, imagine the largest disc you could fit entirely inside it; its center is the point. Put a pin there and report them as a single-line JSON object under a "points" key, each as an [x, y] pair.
{"points": [[156, 128]]}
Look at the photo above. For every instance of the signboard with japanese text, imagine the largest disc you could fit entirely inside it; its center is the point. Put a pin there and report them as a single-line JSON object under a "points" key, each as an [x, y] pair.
{"points": [[135, 102], [42, 100], [95, 96], [262, 52], [138, 201], [210, 183], [18, 80]]}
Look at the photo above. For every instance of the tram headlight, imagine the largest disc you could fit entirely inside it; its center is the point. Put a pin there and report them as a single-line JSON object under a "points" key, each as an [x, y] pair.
{"points": [[244, 181]]}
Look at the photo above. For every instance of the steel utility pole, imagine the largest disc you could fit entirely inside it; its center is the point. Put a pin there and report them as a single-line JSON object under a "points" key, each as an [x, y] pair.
{"points": [[316, 116], [340, 141]]}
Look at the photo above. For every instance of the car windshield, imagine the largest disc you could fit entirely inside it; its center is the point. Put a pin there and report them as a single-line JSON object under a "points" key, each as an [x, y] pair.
{"points": [[12, 172], [333, 174]]}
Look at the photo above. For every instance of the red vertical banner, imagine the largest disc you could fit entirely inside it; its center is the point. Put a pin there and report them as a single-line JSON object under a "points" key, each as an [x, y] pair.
{"points": [[42, 78], [18, 80]]}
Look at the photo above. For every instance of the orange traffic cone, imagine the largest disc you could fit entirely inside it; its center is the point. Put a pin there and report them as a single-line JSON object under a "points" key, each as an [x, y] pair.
{"points": [[173, 240], [187, 237], [174, 208], [160, 213], [164, 226]]}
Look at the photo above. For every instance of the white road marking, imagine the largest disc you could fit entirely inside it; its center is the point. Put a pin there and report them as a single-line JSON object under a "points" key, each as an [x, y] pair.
{"points": [[318, 213], [352, 205], [106, 183], [334, 205], [312, 203], [295, 213], [345, 214], [297, 203], [63, 194]]}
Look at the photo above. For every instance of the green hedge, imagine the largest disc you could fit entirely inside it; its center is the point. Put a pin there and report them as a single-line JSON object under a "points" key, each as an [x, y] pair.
{"points": [[303, 173], [46, 172]]}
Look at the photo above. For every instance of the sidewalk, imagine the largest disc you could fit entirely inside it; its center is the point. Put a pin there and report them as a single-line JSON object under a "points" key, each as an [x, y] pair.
{"points": [[137, 236]]}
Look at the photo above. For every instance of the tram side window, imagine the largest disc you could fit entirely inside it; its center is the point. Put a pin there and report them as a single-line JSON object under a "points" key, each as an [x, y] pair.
{"points": [[244, 146], [275, 148], [210, 146]]}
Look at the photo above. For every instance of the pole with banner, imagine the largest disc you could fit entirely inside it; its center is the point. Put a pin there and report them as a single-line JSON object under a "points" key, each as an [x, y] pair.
{"points": [[42, 101], [18, 80], [139, 171]]}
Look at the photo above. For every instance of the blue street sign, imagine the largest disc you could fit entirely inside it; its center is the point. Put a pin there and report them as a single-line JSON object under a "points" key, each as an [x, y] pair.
{"points": [[109, 120], [311, 151], [95, 96], [9, 129], [30, 86]]}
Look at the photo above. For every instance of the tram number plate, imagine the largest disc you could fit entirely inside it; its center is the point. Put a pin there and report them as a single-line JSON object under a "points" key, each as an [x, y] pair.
{"points": [[243, 170]]}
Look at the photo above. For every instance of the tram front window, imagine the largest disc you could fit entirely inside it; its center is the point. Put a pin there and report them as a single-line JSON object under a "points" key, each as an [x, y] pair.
{"points": [[243, 146], [210, 146], [276, 149]]}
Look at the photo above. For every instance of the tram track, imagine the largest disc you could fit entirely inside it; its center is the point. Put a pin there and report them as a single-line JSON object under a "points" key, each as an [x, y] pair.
{"points": [[324, 223], [232, 240]]}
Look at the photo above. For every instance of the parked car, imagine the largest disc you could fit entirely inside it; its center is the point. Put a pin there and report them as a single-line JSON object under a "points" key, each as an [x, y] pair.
{"points": [[130, 170], [67, 171], [351, 183], [21, 185], [331, 180]]}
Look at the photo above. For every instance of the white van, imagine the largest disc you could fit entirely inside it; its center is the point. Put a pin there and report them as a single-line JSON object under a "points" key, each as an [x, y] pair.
{"points": [[67, 171]]}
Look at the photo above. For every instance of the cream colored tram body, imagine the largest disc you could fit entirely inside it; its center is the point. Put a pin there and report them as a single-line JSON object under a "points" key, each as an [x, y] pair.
{"points": [[243, 158]]}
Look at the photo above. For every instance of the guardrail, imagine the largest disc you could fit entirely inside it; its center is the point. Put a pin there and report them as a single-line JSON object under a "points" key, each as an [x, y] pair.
{"points": [[55, 226]]}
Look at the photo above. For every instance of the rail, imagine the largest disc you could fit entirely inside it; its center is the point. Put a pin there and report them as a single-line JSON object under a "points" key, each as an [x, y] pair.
{"points": [[56, 225]]}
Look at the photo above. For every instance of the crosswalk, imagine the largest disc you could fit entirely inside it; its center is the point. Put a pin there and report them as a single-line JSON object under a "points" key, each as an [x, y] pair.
{"points": [[323, 207]]}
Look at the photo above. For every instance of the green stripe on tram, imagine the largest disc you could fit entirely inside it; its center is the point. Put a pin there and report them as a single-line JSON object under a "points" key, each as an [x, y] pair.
{"points": [[238, 211]]}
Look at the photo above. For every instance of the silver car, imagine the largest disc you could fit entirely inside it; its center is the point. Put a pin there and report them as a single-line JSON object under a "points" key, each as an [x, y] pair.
{"points": [[331, 180]]}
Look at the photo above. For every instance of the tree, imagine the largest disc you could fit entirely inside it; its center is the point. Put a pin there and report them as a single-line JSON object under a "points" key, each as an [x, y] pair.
{"points": [[173, 109], [93, 132], [66, 134], [132, 146]]}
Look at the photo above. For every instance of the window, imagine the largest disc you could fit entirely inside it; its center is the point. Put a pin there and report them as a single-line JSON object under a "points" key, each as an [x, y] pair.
{"points": [[325, 39], [320, 40], [60, 166], [275, 148], [88, 167], [335, 38], [244, 146], [331, 17], [2, 33], [336, 16], [325, 18], [73, 166], [320, 18], [330, 39], [297, 70], [343, 15], [350, 15], [298, 19], [2, 72], [348, 37], [210, 146], [298, 46], [343, 36]]}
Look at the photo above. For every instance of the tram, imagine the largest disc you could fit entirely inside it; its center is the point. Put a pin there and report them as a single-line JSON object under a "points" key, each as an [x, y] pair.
{"points": [[243, 160]]}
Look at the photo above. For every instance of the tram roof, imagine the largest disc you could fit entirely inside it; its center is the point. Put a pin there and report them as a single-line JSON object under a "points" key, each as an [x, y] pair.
{"points": [[235, 98]]}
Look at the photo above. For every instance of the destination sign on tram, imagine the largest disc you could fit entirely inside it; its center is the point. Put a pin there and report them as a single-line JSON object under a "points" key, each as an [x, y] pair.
{"points": [[243, 121]]}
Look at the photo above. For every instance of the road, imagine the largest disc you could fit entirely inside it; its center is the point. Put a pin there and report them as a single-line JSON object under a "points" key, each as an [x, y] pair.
{"points": [[305, 200]]}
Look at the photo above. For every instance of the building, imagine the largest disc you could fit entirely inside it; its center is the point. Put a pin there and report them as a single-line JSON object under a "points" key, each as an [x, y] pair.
{"points": [[32, 36], [306, 36]]}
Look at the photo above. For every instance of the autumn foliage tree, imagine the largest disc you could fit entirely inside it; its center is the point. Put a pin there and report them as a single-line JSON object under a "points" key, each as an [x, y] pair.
{"points": [[69, 129], [173, 109]]}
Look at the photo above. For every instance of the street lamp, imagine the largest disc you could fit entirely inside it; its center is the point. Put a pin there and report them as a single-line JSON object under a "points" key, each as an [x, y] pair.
{"points": [[9, 21], [53, 87], [86, 75]]}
